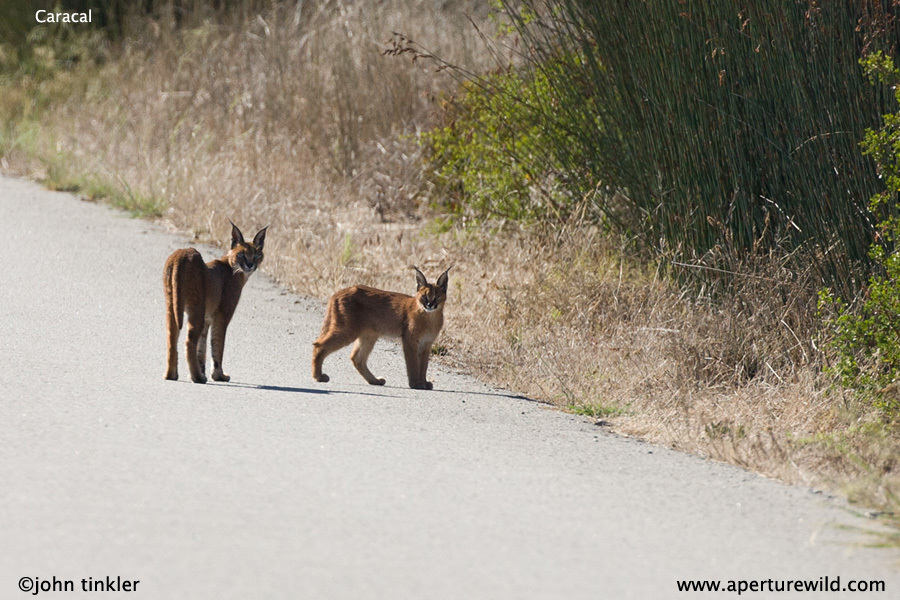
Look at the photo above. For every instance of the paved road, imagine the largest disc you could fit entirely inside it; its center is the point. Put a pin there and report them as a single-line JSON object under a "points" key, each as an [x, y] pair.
{"points": [[273, 486]]}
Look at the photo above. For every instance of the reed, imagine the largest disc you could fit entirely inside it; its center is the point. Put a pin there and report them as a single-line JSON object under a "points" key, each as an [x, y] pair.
{"points": [[723, 127]]}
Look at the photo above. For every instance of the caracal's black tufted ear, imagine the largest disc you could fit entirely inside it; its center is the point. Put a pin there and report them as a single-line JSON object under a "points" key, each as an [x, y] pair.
{"points": [[420, 279], [443, 279], [236, 236], [260, 239]]}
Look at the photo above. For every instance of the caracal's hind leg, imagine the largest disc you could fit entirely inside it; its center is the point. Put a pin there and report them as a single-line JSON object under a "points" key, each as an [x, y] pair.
{"points": [[219, 327], [322, 347], [360, 355], [172, 331], [201, 347], [196, 324]]}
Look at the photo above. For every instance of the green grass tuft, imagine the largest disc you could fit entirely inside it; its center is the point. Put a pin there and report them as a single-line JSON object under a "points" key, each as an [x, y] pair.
{"points": [[597, 411]]}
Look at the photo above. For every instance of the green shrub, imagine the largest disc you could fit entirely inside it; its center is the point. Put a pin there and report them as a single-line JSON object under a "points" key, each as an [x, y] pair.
{"points": [[865, 339], [484, 160]]}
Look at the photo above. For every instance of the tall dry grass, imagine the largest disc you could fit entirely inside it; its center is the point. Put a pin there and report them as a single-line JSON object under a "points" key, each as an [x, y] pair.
{"points": [[293, 117]]}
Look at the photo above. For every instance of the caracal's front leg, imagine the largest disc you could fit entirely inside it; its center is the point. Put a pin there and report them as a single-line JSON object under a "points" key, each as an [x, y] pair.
{"points": [[412, 355], [423, 367]]}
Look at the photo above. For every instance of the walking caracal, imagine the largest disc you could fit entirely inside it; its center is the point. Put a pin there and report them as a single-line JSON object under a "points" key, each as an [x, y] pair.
{"points": [[208, 293], [365, 314]]}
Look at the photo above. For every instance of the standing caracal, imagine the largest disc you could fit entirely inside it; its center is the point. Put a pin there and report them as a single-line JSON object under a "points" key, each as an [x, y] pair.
{"points": [[208, 293], [365, 314]]}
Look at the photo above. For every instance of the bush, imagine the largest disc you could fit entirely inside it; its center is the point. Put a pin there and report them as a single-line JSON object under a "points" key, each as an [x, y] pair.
{"points": [[483, 158], [865, 339]]}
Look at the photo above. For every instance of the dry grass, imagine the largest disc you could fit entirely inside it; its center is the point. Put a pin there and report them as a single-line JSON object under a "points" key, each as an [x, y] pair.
{"points": [[298, 121]]}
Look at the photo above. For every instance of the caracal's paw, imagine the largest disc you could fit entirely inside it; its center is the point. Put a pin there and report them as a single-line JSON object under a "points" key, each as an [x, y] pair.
{"points": [[172, 375], [379, 381], [323, 378], [218, 375]]}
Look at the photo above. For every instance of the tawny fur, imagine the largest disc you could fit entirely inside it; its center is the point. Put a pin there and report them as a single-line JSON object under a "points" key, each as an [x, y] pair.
{"points": [[362, 315], [209, 294]]}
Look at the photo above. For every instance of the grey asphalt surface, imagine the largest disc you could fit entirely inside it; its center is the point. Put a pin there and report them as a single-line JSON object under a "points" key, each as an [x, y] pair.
{"points": [[273, 486]]}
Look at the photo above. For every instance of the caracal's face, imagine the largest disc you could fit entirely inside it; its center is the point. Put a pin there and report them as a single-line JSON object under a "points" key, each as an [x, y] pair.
{"points": [[431, 297], [247, 255], [247, 258]]}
